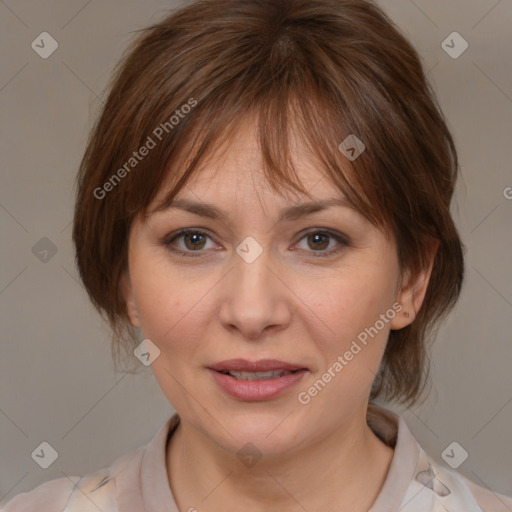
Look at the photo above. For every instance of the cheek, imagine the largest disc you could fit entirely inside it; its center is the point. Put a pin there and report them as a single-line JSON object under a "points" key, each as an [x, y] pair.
{"points": [[350, 300], [162, 310], [171, 304], [347, 323]]}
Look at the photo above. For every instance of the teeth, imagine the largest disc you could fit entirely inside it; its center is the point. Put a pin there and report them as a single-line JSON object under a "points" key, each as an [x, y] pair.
{"points": [[258, 375]]}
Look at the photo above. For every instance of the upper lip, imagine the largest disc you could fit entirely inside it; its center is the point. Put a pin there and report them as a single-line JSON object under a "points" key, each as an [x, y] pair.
{"points": [[260, 365]]}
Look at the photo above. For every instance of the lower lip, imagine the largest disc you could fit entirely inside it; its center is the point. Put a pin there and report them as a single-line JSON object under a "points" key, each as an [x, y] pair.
{"points": [[254, 390]]}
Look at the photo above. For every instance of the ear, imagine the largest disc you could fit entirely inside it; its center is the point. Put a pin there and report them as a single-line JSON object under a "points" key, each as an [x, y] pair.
{"points": [[125, 287], [413, 289]]}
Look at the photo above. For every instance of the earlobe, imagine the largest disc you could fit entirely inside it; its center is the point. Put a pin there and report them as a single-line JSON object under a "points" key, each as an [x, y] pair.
{"points": [[127, 293], [413, 291]]}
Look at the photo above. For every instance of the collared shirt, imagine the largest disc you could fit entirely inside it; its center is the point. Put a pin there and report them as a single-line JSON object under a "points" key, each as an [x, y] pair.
{"points": [[138, 481]]}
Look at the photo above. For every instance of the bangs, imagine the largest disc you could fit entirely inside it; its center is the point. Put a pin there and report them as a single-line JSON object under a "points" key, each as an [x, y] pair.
{"points": [[288, 112]]}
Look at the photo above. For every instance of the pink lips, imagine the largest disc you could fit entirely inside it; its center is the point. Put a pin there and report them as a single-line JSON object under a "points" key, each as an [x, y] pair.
{"points": [[255, 390]]}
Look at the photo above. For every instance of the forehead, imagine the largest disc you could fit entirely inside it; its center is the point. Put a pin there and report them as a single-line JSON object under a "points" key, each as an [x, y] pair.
{"points": [[234, 171]]}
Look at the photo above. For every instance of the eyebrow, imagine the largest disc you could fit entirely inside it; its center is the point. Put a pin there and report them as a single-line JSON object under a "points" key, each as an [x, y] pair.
{"points": [[290, 213]]}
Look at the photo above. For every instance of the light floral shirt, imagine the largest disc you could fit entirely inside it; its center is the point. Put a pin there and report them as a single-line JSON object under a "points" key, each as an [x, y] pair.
{"points": [[138, 481]]}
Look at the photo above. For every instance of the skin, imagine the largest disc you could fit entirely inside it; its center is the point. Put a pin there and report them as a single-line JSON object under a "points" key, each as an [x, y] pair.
{"points": [[285, 305]]}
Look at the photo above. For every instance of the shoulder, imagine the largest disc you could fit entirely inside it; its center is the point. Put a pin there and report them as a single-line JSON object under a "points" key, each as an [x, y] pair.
{"points": [[107, 489], [488, 500], [433, 485], [454, 491], [101, 490], [50, 496], [88, 493]]}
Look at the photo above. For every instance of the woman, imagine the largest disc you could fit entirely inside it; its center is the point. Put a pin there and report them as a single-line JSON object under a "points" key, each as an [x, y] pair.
{"points": [[266, 199]]}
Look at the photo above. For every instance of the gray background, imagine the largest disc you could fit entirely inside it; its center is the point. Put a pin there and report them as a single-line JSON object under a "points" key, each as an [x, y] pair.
{"points": [[57, 381]]}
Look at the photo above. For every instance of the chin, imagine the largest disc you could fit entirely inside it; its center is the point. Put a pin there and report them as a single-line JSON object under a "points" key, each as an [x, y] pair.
{"points": [[270, 430]]}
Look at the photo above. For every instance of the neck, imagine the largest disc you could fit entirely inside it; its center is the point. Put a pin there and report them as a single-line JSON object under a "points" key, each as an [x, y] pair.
{"points": [[347, 468]]}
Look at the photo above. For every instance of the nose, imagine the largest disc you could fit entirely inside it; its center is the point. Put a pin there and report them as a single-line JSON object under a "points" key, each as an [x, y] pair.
{"points": [[255, 299]]}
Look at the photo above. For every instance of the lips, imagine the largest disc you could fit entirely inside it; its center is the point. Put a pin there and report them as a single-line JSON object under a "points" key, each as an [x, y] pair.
{"points": [[261, 365], [256, 386]]}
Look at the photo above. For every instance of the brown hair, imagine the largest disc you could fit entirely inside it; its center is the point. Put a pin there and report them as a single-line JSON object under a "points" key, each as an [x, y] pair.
{"points": [[322, 68]]}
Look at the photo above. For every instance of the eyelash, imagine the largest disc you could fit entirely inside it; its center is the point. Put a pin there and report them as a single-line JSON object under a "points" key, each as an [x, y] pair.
{"points": [[315, 254]]}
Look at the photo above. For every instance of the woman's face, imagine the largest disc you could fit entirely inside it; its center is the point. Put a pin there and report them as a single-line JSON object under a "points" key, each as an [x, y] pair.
{"points": [[251, 286]]}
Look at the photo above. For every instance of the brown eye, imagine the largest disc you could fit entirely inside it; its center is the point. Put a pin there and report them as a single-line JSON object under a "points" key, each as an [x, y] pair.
{"points": [[194, 241], [318, 241]]}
